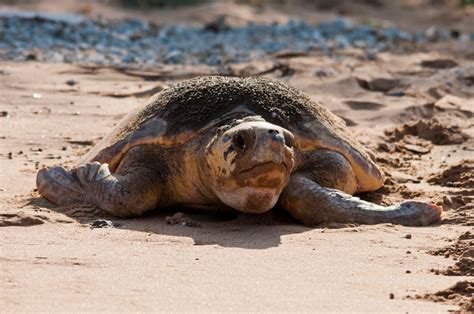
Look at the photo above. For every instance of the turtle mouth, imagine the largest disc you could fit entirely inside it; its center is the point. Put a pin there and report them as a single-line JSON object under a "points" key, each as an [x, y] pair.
{"points": [[269, 176], [264, 167]]}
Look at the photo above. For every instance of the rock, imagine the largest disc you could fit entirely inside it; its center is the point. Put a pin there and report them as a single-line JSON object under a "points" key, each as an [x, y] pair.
{"points": [[219, 24], [174, 56], [71, 82], [102, 223], [179, 218]]}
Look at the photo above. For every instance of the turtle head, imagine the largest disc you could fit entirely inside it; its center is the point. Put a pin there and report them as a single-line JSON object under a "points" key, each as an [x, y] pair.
{"points": [[251, 162]]}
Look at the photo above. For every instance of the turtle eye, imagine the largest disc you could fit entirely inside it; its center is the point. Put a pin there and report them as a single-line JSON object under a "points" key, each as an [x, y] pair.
{"points": [[239, 141]]}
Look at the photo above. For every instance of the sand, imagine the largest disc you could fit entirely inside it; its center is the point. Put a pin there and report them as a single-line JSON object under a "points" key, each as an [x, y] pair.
{"points": [[53, 260], [416, 117]]}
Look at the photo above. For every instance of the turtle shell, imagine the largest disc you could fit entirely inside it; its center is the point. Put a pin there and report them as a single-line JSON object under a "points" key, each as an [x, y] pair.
{"points": [[181, 113]]}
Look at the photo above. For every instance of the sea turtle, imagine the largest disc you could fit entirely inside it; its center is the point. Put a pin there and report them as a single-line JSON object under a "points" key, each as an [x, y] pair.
{"points": [[245, 144]]}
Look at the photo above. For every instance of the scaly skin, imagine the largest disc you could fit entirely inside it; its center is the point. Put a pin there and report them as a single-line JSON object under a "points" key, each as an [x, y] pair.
{"points": [[313, 204], [92, 183]]}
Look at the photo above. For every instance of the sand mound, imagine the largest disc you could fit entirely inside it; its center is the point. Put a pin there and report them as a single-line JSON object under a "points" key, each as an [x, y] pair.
{"points": [[439, 64], [379, 84], [21, 219], [437, 131], [447, 107], [460, 175], [460, 293], [463, 252]]}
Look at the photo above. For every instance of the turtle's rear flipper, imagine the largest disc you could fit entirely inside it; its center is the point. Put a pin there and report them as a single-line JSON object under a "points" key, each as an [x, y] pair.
{"points": [[312, 204]]}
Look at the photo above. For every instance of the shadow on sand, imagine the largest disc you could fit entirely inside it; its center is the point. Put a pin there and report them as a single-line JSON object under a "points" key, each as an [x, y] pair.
{"points": [[204, 227]]}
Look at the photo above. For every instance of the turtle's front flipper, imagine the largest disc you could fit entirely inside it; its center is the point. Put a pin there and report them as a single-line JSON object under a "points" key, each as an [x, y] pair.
{"points": [[312, 204], [127, 194], [60, 186]]}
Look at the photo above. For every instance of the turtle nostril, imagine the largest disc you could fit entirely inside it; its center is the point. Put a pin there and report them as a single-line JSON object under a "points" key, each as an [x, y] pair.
{"points": [[273, 131], [239, 141], [289, 140]]}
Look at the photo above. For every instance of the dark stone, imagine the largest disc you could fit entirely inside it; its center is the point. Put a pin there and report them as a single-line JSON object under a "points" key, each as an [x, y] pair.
{"points": [[103, 223]]}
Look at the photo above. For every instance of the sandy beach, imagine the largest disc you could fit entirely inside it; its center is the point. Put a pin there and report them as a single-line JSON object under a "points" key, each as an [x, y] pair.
{"points": [[413, 110]]}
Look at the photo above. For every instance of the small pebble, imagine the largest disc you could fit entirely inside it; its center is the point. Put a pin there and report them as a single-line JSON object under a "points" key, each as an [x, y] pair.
{"points": [[396, 94], [392, 296], [321, 73], [408, 236], [71, 82], [102, 223], [133, 41]]}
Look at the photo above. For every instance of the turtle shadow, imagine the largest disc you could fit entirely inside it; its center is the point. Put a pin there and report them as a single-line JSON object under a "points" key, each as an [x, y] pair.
{"points": [[247, 231]]}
